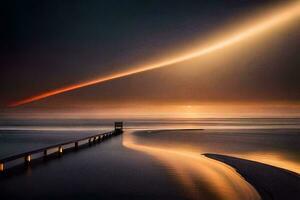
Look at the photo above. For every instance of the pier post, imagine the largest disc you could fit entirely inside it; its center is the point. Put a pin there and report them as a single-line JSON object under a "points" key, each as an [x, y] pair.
{"points": [[76, 145], [60, 150], [1, 167], [27, 159], [90, 141]]}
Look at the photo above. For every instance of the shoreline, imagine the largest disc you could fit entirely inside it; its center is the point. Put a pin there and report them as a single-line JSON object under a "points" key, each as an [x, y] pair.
{"points": [[269, 181]]}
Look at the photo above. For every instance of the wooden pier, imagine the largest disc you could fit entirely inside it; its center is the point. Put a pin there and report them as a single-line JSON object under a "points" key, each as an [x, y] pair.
{"points": [[59, 148]]}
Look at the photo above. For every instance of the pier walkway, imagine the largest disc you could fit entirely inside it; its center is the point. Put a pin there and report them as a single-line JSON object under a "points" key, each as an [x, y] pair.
{"points": [[59, 148]]}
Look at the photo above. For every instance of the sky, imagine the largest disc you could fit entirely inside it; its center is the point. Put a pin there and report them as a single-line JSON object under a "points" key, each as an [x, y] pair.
{"points": [[51, 44]]}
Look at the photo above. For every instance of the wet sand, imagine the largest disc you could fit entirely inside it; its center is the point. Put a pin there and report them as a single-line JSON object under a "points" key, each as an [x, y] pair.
{"points": [[271, 182]]}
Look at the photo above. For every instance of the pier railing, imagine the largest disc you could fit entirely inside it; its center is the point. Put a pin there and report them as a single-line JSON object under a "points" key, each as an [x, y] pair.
{"points": [[75, 144]]}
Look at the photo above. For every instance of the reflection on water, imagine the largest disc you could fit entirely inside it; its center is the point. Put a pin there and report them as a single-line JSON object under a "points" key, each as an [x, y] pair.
{"points": [[201, 177], [272, 141], [275, 147], [277, 159]]}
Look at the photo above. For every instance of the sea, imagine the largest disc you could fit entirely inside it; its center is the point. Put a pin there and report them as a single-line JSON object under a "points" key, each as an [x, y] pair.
{"points": [[157, 158]]}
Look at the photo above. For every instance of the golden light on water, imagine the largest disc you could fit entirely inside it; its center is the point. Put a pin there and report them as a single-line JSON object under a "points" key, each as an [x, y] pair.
{"points": [[274, 159], [191, 168], [262, 25]]}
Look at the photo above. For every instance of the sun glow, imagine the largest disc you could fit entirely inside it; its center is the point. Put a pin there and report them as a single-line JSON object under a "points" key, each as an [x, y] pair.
{"points": [[259, 26]]}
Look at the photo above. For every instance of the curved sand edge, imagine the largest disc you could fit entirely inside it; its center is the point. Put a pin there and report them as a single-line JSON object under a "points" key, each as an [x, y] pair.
{"points": [[269, 181]]}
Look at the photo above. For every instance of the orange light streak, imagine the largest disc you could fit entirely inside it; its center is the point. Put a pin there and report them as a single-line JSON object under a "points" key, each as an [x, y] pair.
{"points": [[280, 17]]}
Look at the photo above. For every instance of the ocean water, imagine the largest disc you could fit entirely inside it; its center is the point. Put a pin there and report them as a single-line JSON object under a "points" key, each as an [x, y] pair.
{"points": [[153, 159]]}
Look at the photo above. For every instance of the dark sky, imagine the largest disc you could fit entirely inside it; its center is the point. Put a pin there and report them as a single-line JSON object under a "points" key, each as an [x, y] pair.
{"points": [[50, 44]]}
